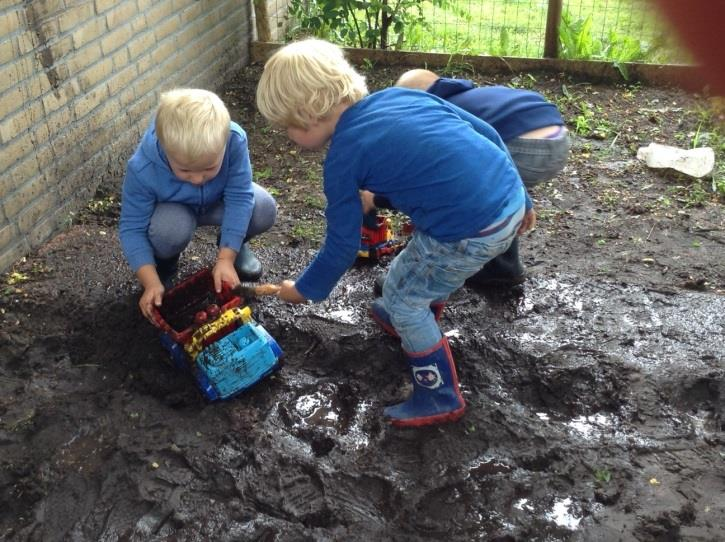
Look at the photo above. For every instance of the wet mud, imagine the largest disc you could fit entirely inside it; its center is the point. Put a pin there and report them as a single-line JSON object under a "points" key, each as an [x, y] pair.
{"points": [[595, 391], [595, 412]]}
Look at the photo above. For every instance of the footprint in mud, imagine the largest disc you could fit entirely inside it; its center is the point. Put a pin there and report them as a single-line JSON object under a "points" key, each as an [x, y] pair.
{"points": [[324, 416]]}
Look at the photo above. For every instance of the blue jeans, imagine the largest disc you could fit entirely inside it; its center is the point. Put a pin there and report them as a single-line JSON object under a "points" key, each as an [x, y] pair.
{"points": [[428, 270], [539, 160], [172, 225]]}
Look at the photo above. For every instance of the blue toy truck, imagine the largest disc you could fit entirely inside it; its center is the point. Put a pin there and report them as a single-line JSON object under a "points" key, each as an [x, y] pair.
{"points": [[214, 338]]}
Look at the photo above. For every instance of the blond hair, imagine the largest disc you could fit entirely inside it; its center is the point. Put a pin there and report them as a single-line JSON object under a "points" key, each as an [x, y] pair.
{"points": [[419, 79], [304, 81], [192, 123]]}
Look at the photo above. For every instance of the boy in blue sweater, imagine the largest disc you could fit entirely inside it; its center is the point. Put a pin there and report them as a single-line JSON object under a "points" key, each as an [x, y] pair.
{"points": [[530, 126], [444, 168], [191, 169]]}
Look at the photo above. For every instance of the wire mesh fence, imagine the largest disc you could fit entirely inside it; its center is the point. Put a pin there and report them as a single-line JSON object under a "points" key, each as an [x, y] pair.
{"points": [[616, 30]]}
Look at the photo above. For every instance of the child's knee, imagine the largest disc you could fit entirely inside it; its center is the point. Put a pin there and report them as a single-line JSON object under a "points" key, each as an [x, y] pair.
{"points": [[171, 228]]}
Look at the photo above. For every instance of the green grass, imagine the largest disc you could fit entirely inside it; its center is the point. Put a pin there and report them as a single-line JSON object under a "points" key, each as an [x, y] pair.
{"points": [[518, 27]]}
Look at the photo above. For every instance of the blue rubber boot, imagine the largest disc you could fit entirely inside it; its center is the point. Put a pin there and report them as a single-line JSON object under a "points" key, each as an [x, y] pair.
{"points": [[436, 397], [381, 316]]}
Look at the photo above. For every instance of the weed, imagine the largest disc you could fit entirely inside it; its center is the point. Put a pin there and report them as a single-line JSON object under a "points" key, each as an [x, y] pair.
{"points": [[15, 277], [602, 475], [105, 206], [582, 124], [314, 175], [578, 41], [260, 175], [544, 215], [718, 182], [527, 81], [368, 64], [692, 195], [308, 230], [456, 66], [314, 201], [610, 198]]}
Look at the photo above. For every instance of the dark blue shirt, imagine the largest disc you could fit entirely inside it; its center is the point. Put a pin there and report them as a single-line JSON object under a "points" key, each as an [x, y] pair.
{"points": [[511, 111]]}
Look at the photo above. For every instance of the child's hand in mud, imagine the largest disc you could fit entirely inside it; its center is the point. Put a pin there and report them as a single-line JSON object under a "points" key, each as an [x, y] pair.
{"points": [[289, 293], [151, 297], [528, 222]]}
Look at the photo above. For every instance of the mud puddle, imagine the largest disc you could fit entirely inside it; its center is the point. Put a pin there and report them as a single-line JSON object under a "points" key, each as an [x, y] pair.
{"points": [[595, 412]]}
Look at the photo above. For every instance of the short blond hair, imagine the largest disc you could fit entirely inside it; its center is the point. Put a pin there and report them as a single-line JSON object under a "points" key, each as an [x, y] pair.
{"points": [[418, 78], [304, 81], [192, 123]]}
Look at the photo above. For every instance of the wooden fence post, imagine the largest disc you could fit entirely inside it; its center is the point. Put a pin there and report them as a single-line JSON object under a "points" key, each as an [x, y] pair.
{"points": [[261, 18], [553, 19]]}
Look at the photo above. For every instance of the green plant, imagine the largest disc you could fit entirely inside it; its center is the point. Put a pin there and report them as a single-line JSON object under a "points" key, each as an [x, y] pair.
{"points": [[16, 277], [316, 202], [602, 475], [309, 230], [372, 24], [261, 174], [582, 122], [103, 206], [692, 195], [368, 64], [456, 66], [576, 40]]}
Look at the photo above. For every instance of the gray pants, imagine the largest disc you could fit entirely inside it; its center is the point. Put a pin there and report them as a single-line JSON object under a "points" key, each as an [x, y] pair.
{"points": [[173, 224], [539, 160]]}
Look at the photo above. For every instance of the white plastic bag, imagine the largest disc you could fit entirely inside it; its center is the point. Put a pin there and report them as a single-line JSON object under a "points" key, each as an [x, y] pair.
{"points": [[693, 162]]}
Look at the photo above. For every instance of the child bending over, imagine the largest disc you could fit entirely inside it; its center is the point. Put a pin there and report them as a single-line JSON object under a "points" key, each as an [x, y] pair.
{"points": [[444, 168]]}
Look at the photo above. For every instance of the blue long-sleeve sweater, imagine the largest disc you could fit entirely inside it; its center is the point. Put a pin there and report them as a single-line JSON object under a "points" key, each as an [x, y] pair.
{"points": [[510, 111], [149, 180], [446, 169]]}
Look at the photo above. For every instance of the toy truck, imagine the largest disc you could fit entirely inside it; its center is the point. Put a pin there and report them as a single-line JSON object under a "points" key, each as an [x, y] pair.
{"points": [[377, 238], [214, 338]]}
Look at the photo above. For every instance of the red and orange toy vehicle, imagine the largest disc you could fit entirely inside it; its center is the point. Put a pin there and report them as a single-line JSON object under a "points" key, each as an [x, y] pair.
{"points": [[214, 338]]}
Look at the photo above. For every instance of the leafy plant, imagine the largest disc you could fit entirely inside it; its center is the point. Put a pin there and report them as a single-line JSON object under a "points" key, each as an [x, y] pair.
{"points": [[371, 24], [602, 475], [261, 174], [16, 277], [577, 41]]}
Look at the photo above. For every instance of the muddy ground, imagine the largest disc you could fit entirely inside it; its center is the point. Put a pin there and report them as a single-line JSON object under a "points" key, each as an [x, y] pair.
{"points": [[595, 390]]}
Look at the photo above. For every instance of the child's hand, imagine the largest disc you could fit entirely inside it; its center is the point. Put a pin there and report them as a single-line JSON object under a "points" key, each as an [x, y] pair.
{"points": [[289, 293], [528, 223], [368, 201], [224, 272], [151, 298]]}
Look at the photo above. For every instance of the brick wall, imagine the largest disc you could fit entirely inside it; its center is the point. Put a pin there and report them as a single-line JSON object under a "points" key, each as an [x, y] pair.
{"points": [[78, 82]]}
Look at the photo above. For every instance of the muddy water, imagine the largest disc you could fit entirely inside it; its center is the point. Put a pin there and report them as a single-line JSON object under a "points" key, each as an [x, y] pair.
{"points": [[595, 412]]}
